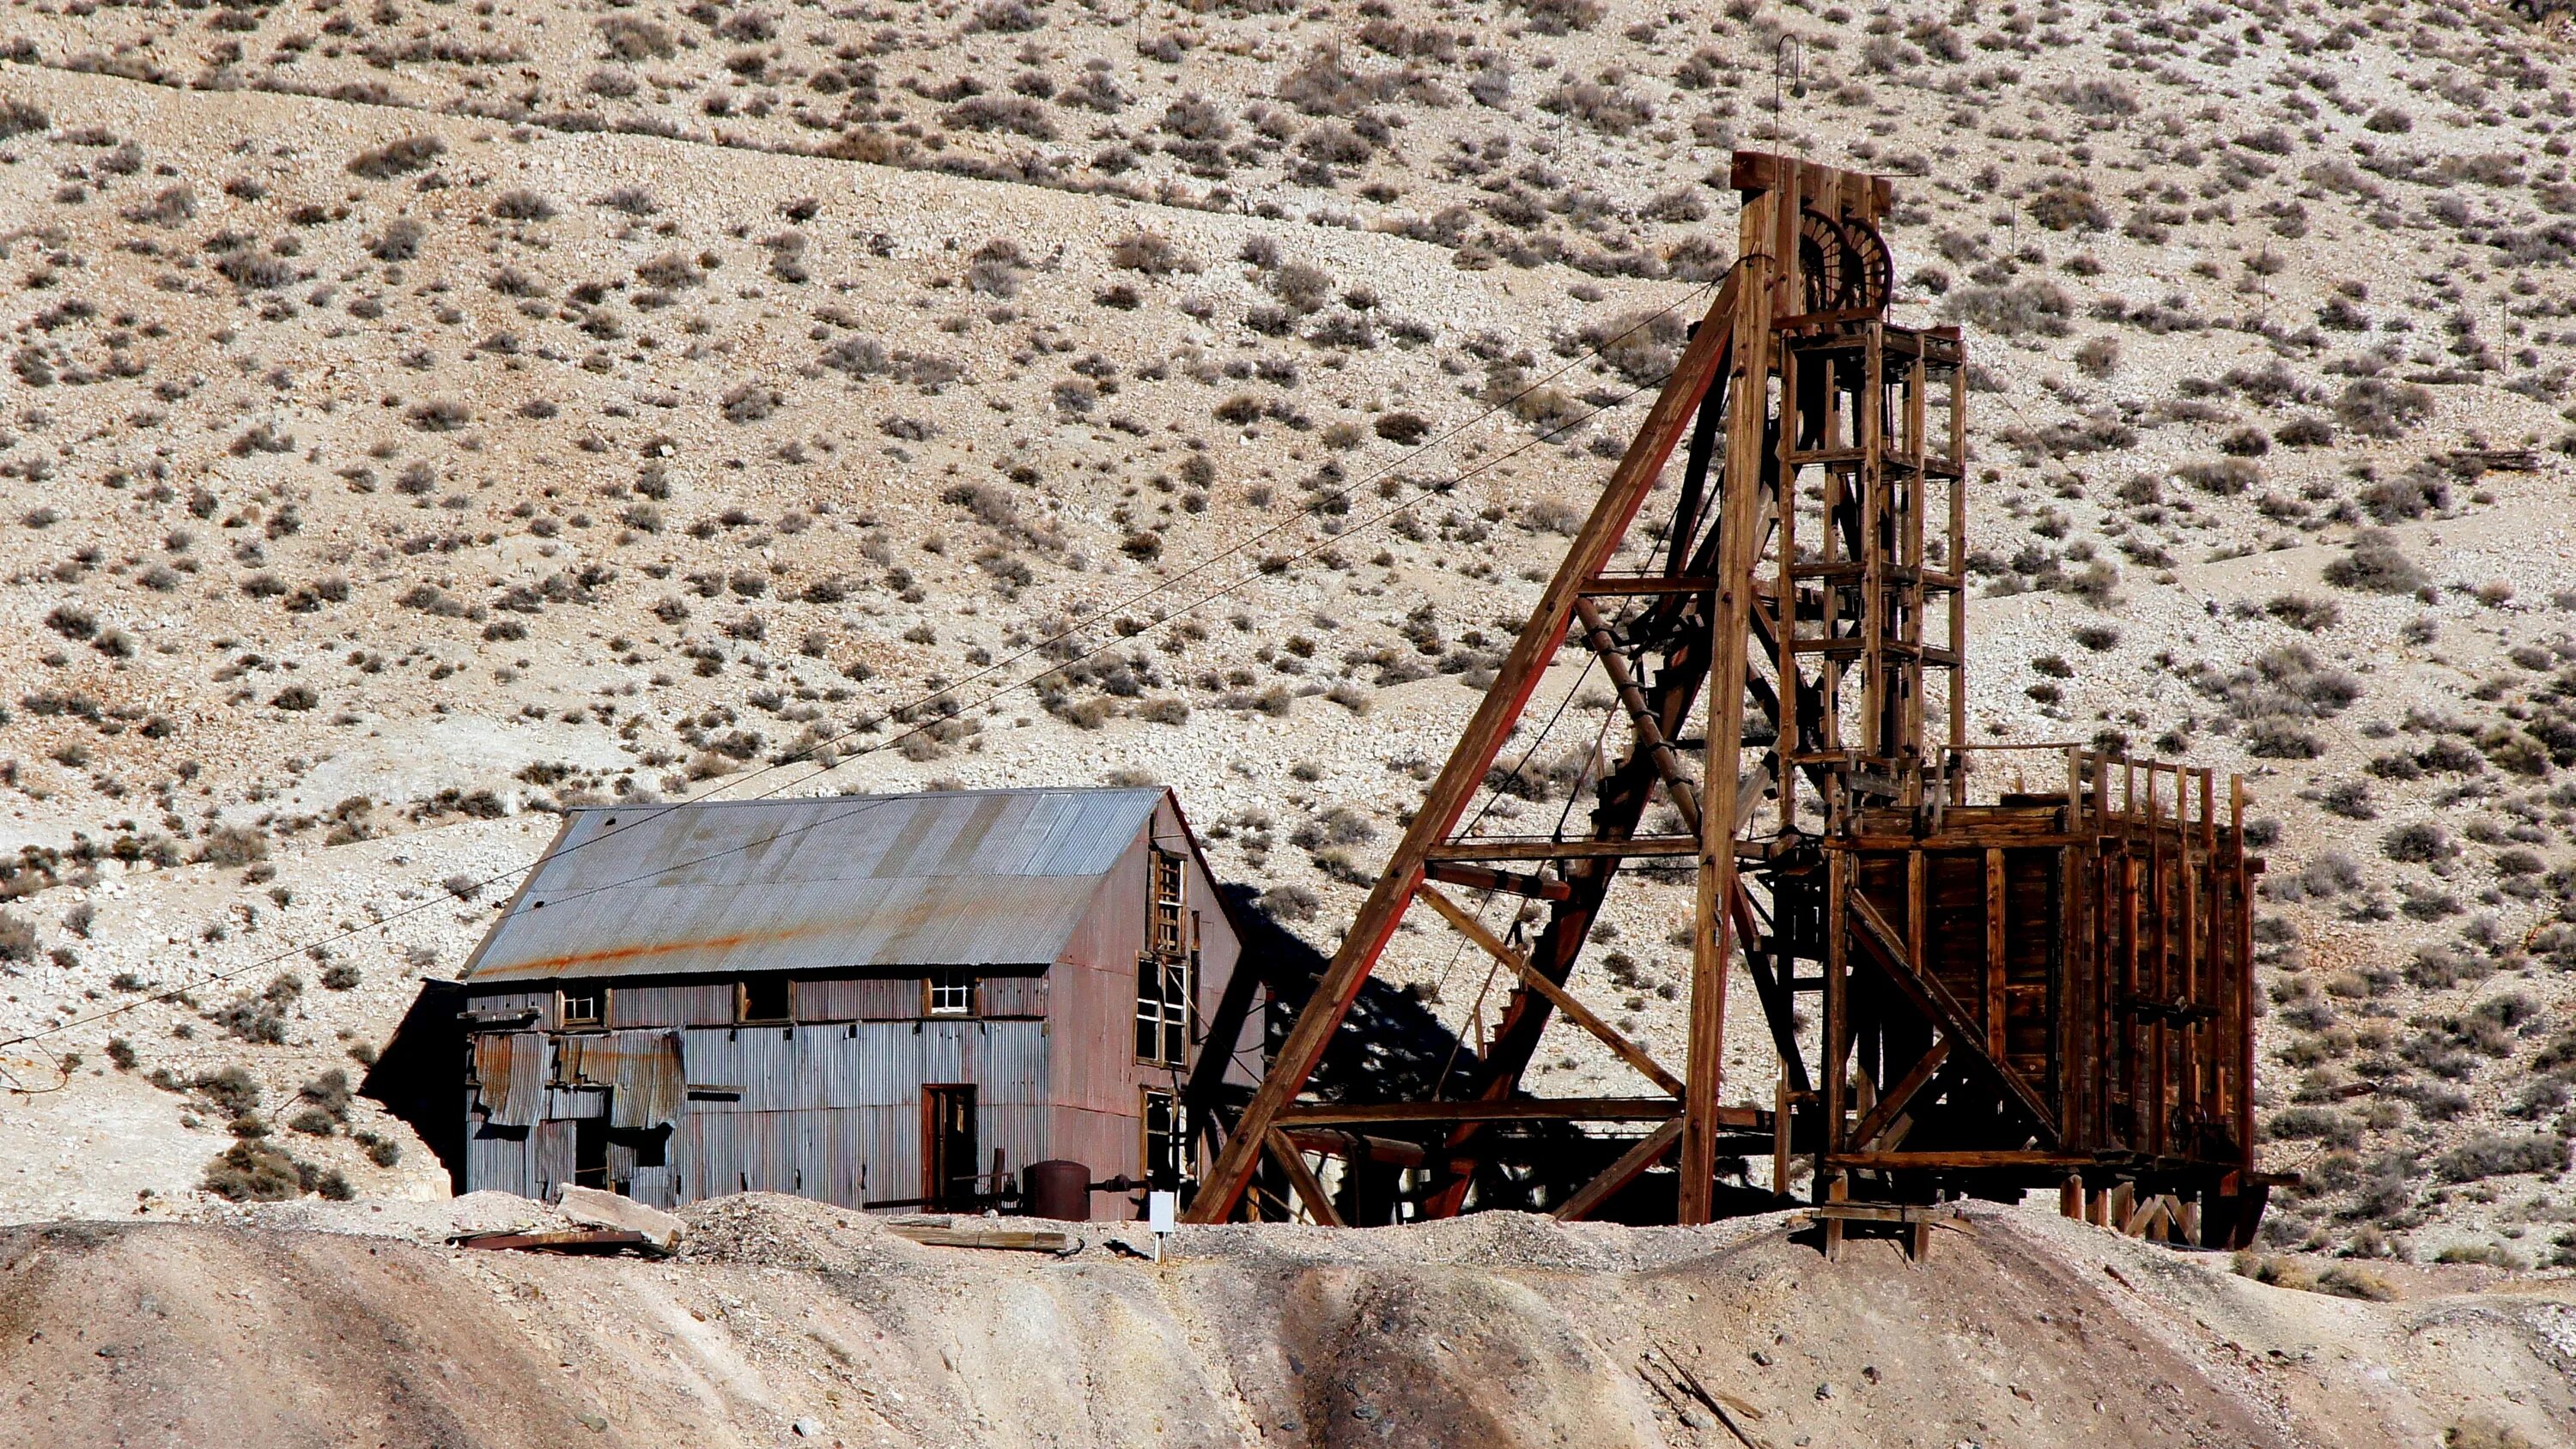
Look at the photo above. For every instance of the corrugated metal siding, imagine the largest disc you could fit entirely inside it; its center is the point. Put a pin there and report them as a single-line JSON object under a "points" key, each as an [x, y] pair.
{"points": [[866, 998], [550, 1157], [498, 1002], [510, 1076], [496, 1159], [956, 879], [1015, 995], [640, 1069], [864, 1064], [698, 1003]]}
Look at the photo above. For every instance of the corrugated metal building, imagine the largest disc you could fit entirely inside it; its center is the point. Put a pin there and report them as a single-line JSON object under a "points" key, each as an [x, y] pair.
{"points": [[871, 1000]]}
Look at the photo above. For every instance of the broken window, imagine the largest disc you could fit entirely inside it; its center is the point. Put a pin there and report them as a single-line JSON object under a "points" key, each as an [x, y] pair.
{"points": [[1166, 939], [1163, 970], [952, 993], [1163, 1010], [765, 998], [1167, 1140], [585, 1007]]}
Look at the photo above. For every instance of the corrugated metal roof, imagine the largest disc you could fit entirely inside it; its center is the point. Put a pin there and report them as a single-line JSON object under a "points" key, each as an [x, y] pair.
{"points": [[962, 878]]}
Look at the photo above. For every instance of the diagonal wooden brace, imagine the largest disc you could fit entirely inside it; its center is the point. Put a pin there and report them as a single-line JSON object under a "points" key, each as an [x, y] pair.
{"points": [[1620, 1173], [1557, 996], [1934, 1000]]}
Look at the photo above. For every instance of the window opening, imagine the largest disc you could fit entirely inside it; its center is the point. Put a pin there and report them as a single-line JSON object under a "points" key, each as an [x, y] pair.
{"points": [[586, 1007], [1166, 1140], [766, 998], [952, 993]]}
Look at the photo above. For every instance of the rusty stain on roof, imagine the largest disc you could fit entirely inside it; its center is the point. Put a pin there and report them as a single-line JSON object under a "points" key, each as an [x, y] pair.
{"points": [[954, 878]]}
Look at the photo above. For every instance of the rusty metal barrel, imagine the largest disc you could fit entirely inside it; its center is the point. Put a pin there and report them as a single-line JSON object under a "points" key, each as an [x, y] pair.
{"points": [[1057, 1189]]}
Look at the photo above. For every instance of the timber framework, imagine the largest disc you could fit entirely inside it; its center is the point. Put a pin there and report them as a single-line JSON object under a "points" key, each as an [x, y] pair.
{"points": [[1982, 969]]}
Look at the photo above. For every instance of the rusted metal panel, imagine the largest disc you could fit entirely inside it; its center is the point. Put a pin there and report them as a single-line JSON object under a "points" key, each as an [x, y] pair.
{"points": [[965, 878], [510, 1076], [642, 1071]]}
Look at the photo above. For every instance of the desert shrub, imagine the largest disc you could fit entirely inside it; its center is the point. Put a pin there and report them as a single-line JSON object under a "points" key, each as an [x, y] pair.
{"points": [[2377, 408], [630, 37], [231, 1090], [2012, 311], [1641, 346], [253, 1172], [2376, 565], [17, 938], [397, 157], [1290, 903], [2224, 477], [2493, 1154], [2419, 843], [1146, 252], [1614, 110], [439, 415], [1015, 115], [2068, 204], [522, 205], [2307, 430], [2323, 1124], [232, 845], [2410, 494], [1401, 428], [20, 118], [2302, 612], [749, 403], [1557, 17]]}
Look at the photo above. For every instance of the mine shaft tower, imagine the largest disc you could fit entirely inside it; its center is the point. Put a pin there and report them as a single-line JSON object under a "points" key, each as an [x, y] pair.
{"points": [[2028, 986]]}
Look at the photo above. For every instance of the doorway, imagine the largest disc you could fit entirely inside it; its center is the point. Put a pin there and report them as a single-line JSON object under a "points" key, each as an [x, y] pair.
{"points": [[949, 1146]]}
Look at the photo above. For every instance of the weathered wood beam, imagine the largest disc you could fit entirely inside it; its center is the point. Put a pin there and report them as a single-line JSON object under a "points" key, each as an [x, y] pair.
{"points": [[1874, 1122], [1620, 1173], [1933, 999], [1302, 1179], [1564, 1001]]}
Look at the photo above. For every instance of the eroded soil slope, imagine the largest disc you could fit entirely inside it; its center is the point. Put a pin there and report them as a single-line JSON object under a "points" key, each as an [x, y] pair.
{"points": [[787, 1321]]}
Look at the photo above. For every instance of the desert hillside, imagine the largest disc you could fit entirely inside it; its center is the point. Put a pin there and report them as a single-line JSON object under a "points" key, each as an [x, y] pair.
{"points": [[786, 1322], [423, 417]]}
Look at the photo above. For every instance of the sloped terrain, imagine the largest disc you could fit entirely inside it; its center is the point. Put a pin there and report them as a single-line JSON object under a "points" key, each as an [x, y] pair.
{"points": [[786, 1322], [424, 415]]}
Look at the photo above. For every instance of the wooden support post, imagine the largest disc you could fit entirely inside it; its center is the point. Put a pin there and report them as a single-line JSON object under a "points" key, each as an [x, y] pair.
{"points": [[1739, 497], [2070, 1197], [1780, 1098], [1997, 946]]}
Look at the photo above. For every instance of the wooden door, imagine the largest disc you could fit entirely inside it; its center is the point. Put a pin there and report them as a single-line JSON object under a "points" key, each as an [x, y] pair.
{"points": [[949, 1146]]}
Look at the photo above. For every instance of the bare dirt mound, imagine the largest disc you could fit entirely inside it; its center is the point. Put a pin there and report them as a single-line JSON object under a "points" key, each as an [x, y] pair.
{"points": [[785, 1322]]}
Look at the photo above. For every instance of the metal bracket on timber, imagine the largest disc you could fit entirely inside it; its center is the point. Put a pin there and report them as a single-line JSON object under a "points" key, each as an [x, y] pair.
{"points": [[2047, 979]]}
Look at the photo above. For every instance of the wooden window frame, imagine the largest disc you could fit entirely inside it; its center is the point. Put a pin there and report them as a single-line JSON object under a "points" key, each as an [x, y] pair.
{"points": [[1176, 1157], [565, 1020], [742, 1004], [1164, 1017], [948, 980]]}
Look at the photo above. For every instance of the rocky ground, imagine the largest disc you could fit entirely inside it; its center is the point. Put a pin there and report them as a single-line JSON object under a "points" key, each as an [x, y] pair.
{"points": [[421, 418], [786, 1322]]}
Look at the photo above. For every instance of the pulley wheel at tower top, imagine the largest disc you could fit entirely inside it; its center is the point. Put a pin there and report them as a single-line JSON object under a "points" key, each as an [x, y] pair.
{"points": [[1842, 265]]}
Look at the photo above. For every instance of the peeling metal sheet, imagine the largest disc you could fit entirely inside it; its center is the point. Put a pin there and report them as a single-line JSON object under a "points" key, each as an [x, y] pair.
{"points": [[642, 1071], [510, 1076], [963, 878]]}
